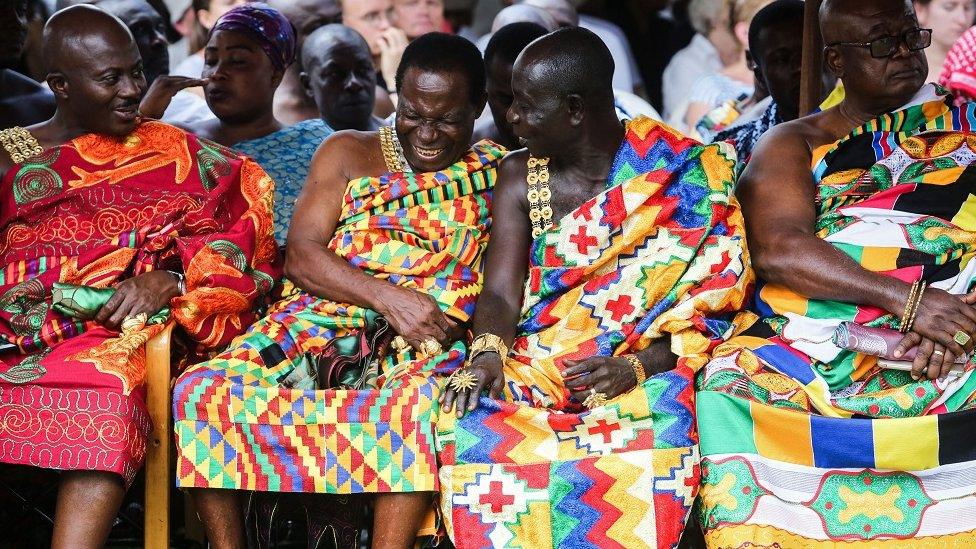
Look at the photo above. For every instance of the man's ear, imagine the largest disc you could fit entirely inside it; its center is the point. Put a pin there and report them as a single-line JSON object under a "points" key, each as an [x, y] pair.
{"points": [[58, 84], [480, 104], [834, 61], [575, 108], [306, 84]]}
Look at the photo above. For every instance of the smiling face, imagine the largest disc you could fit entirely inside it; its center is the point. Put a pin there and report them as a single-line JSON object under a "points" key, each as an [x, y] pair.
{"points": [[101, 83], [242, 80], [339, 76], [418, 17], [885, 83], [434, 118]]}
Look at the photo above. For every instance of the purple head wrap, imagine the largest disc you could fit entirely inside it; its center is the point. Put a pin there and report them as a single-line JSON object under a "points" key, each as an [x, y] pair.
{"points": [[267, 26]]}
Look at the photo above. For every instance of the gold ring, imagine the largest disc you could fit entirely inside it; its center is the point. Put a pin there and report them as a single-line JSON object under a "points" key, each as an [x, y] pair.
{"points": [[961, 337], [400, 344], [462, 380], [595, 400], [134, 322], [431, 347]]}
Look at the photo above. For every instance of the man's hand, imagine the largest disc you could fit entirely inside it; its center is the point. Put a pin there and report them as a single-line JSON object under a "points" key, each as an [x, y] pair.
{"points": [[940, 315], [487, 369], [612, 376], [392, 43], [415, 316], [161, 93], [147, 293]]}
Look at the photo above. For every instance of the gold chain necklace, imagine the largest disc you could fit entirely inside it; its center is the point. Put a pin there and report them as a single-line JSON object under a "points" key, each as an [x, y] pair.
{"points": [[20, 144], [392, 151], [539, 195]]}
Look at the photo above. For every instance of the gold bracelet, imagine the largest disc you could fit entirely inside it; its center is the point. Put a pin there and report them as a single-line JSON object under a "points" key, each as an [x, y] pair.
{"points": [[918, 302], [903, 326], [635, 363], [487, 343]]}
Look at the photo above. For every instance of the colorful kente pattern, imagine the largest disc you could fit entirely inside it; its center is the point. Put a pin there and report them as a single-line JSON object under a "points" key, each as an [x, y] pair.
{"points": [[237, 428], [809, 445], [96, 211], [661, 252]]}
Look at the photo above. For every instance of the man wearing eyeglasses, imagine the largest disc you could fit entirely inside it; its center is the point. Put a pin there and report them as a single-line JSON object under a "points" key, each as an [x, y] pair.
{"points": [[858, 216]]}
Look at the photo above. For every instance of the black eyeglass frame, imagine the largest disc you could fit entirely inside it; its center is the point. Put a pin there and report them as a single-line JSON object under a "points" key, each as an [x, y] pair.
{"points": [[897, 40]]}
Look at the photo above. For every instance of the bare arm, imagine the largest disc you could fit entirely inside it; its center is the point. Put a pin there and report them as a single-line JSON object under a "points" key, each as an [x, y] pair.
{"points": [[777, 195], [506, 266], [311, 265]]}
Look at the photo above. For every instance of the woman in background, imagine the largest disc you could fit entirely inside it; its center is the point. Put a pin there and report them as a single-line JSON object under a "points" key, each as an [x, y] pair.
{"points": [[948, 19], [206, 12]]}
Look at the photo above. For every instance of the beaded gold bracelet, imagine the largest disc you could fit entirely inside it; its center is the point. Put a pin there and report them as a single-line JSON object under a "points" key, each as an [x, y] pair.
{"points": [[635, 363]]}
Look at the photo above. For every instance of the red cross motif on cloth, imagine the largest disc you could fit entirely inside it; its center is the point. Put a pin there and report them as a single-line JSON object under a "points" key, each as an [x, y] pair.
{"points": [[620, 307], [583, 240], [603, 428], [496, 497]]}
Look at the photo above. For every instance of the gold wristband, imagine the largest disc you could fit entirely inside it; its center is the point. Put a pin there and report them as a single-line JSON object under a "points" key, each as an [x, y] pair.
{"points": [[635, 363], [487, 343], [903, 327], [918, 302]]}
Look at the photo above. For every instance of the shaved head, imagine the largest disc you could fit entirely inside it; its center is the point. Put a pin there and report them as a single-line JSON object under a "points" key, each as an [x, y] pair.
{"points": [[71, 34], [338, 74], [571, 61], [838, 18]]}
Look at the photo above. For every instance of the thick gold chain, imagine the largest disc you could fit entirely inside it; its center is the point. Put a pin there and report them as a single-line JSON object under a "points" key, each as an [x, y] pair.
{"points": [[392, 151], [539, 195], [20, 144]]}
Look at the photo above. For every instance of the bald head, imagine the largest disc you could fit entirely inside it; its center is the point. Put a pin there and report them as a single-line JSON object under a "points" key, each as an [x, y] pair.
{"points": [[571, 61], [325, 41], [80, 33], [839, 18], [338, 75]]}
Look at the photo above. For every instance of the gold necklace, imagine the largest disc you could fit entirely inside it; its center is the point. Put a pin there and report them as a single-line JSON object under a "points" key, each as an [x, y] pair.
{"points": [[392, 151], [20, 144], [539, 195]]}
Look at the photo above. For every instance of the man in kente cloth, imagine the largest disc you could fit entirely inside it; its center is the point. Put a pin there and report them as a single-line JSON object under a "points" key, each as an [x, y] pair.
{"points": [[387, 237], [862, 215], [616, 264], [109, 227]]}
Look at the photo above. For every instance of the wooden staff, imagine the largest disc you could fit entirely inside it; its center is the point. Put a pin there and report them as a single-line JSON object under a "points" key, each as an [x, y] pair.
{"points": [[811, 80]]}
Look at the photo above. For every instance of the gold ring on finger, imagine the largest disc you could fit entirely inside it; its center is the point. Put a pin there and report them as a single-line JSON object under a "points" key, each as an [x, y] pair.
{"points": [[462, 380], [961, 337], [432, 347], [595, 399], [400, 344]]}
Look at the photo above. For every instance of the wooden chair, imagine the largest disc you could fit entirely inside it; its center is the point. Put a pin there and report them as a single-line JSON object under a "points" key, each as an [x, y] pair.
{"points": [[159, 473]]}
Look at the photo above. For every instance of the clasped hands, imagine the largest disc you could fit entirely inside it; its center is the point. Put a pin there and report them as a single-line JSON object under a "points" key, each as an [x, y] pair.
{"points": [[943, 330]]}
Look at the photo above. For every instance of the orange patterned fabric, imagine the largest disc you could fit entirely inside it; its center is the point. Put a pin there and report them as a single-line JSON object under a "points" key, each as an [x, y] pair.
{"points": [[96, 211]]}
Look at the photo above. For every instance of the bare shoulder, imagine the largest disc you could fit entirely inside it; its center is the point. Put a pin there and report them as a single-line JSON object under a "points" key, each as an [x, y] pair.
{"points": [[513, 168], [353, 153]]}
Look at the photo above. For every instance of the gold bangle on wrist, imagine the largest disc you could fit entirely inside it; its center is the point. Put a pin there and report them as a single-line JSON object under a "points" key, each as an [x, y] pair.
{"points": [[487, 343], [918, 303], [635, 363], [904, 326]]}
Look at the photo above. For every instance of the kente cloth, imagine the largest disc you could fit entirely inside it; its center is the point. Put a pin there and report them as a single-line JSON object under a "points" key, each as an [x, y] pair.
{"points": [[286, 156], [720, 117], [238, 428], [808, 445], [94, 212], [660, 253], [745, 137]]}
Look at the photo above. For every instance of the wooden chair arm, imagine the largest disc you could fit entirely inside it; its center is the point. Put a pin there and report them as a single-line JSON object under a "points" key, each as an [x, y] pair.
{"points": [[159, 474]]}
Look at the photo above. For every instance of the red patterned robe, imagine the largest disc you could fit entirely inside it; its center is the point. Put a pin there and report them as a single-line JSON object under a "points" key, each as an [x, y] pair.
{"points": [[93, 212]]}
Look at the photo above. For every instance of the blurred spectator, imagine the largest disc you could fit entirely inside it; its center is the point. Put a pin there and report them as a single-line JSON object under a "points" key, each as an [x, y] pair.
{"points": [[292, 105], [732, 90], [23, 101], [337, 73], [418, 17], [206, 13], [775, 53], [710, 50], [625, 75], [959, 71], [178, 18], [459, 18], [373, 20], [948, 19]]}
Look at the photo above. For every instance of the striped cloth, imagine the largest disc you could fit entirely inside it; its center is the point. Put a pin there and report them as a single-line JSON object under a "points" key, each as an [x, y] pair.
{"points": [[808, 445]]}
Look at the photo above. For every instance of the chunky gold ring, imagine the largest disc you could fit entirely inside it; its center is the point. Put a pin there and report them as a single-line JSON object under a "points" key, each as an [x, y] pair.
{"points": [[462, 380], [595, 400], [432, 347], [961, 337], [400, 344]]}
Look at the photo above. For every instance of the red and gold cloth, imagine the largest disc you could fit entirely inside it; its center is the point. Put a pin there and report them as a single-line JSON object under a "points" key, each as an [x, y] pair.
{"points": [[96, 211]]}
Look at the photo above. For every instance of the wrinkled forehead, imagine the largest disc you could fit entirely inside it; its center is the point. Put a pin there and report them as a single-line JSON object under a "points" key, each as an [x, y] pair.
{"points": [[434, 94]]}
